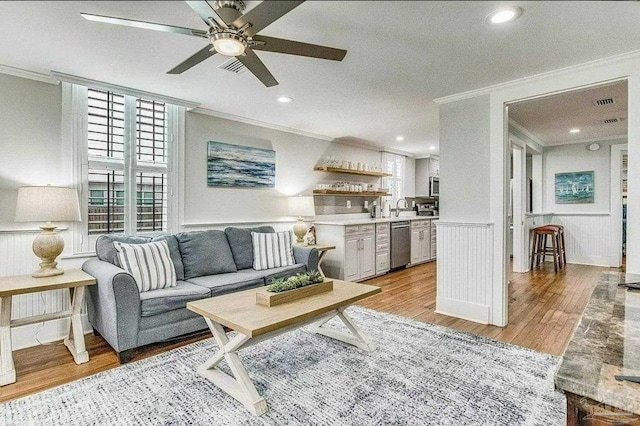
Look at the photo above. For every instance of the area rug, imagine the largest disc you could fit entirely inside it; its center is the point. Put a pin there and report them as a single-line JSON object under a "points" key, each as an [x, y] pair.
{"points": [[420, 374]]}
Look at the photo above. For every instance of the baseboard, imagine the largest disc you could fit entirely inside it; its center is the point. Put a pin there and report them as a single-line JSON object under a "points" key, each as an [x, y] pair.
{"points": [[462, 309], [43, 332], [605, 261]]}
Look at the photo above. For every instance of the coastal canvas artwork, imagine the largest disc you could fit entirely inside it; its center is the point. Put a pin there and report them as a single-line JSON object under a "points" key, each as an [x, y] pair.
{"points": [[240, 166], [574, 188]]}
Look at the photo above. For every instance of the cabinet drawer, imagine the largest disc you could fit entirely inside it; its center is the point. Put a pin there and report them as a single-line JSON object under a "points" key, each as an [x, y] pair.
{"points": [[367, 228], [382, 262], [382, 227], [384, 246], [419, 224], [351, 229], [382, 237]]}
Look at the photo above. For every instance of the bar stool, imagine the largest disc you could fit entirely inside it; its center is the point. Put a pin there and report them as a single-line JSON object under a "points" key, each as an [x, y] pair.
{"points": [[540, 248], [561, 245]]}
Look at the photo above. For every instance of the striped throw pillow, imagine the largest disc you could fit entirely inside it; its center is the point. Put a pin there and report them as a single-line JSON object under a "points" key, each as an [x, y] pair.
{"points": [[150, 264], [272, 250]]}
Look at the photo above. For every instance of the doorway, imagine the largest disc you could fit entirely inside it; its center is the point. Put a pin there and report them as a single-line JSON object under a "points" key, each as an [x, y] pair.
{"points": [[582, 135]]}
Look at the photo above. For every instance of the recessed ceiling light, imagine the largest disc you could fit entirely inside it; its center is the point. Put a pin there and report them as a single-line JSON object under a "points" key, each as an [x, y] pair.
{"points": [[400, 138], [504, 15], [432, 147], [574, 131], [284, 99]]}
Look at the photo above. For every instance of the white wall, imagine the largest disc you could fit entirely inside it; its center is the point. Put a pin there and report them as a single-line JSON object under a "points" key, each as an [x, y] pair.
{"points": [[465, 235], [295, 158], [464, 160], [30, 148], [577, 158]]}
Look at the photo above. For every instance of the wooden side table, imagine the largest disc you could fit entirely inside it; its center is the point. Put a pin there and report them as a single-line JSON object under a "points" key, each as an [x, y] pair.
{"points": [[73, 279], [322, 252]]}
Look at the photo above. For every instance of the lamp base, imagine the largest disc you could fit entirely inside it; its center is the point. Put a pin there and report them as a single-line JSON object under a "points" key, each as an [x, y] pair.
{"points": [[300, 230], [47, 246]]}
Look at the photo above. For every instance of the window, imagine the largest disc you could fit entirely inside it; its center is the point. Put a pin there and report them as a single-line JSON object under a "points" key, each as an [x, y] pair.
{"points": [[394, 164], [127, 173]]}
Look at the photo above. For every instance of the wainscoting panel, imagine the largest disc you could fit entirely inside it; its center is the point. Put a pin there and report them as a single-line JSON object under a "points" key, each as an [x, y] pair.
{"points": [[465, 259], [588, 237]]}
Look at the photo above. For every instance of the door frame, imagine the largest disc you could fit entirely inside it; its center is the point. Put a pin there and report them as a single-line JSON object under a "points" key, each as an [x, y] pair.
{"points": [[518, 204], [617, 151]]}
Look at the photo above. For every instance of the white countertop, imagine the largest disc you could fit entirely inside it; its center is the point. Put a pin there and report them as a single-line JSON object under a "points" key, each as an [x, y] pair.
{"points": [[368, 220]]}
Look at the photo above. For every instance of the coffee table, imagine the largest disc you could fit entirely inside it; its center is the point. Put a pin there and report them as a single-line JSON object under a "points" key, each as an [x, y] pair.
{"points": [[256, 323]]}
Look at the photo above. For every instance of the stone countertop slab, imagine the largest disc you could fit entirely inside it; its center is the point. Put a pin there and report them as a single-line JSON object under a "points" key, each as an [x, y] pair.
{"points": [[366, 221], [606, 343]]}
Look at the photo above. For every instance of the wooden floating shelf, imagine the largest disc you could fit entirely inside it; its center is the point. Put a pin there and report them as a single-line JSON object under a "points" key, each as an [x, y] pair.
{"points": [[349, 193], [350, 171]]}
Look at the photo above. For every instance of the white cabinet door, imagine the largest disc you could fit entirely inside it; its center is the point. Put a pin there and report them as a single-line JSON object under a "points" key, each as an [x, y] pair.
{"points": [[351, 263], [367, 256], [416, 248], [382, 262], [425, 245]]}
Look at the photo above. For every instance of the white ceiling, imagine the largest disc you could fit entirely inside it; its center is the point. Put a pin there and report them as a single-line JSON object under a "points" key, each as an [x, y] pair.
{"points": [[550, 118], [401, 55]]}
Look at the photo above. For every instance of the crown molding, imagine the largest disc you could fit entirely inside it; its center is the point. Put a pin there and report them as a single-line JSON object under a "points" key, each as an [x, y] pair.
{"points": [[584, 141], [31, 75], [67, 78], [526, 132], [585, 66], [259, 123]]}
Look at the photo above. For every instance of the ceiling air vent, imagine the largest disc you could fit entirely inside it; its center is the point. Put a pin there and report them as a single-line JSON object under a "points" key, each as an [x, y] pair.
{"points": [[611, 121], [233, 65], [604, 101]]}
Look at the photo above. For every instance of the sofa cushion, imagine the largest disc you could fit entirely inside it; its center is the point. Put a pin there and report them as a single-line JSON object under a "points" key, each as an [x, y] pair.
{"points": [[241, 245], [108, 253], [168, 299], [174, 250], [283, 272], [205, 253], [228, 283]]}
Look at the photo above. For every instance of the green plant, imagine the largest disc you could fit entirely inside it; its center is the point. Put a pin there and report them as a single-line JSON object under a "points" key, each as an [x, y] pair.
{"points": [[297, 281]]}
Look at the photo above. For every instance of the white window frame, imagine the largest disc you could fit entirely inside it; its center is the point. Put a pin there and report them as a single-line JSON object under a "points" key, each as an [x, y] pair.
{"points": [[75, 151], [395, 183]]}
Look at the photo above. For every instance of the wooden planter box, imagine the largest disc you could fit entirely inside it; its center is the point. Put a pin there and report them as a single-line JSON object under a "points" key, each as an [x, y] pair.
{"points": [[267, 298]]}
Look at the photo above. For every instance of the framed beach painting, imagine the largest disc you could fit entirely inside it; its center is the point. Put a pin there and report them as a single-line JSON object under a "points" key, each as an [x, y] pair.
{"points": [[234, 166], [574, 188]]}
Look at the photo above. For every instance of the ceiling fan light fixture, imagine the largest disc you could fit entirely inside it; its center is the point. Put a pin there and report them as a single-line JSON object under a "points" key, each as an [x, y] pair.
{"points": [[229, 44], [504, 15]]}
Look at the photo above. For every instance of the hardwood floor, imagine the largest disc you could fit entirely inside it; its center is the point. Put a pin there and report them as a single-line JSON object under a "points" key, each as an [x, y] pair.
{"points": [[544, 309]]}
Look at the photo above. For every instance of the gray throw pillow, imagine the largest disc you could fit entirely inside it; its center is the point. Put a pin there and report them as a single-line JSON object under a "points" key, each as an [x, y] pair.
{"points": [[241, 244], [108, 253], [205, 253], [174, 251]]}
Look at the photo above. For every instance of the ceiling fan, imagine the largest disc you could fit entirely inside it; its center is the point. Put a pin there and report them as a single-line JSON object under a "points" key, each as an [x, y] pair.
{"points": [[232, 33]]}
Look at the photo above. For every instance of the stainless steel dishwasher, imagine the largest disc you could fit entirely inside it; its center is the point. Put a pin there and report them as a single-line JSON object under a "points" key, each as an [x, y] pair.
{"points": [[400, 244]]}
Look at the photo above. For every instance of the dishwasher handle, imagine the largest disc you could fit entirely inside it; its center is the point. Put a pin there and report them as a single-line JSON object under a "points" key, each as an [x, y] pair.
{"points": [[396, 225]]}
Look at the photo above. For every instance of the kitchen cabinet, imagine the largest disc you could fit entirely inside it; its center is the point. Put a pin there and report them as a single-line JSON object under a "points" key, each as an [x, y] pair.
{"points": [[421, 241], [383, 246], [354, 258]]}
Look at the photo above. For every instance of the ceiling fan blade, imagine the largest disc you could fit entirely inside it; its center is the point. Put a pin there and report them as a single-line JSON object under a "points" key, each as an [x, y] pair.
{"points": [[265, 14], [255, 65], [205, 11], [145, 25], [290, 47], [193, 60]]}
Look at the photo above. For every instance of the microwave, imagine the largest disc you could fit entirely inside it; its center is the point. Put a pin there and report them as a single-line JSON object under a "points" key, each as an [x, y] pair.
{"points": [[434, 186]]}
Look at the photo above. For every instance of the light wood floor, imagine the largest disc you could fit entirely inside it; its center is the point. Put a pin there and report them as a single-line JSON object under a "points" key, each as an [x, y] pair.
{"points": [[544, 309]]}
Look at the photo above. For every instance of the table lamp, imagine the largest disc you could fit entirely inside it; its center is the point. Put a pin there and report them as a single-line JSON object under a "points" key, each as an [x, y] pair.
{"points": [[47, 204], [301, 206]]}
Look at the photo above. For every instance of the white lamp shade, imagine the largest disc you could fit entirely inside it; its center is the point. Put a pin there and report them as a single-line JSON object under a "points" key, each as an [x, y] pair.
{"points": [[301, 206], [47, 204]]}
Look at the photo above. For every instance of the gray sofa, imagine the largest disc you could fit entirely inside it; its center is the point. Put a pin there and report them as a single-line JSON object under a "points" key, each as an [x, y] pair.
{"points": [[207, 263]]}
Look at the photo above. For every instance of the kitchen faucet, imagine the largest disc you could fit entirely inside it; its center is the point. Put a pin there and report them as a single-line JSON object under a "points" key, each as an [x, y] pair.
{"points": [[406, 205]]}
